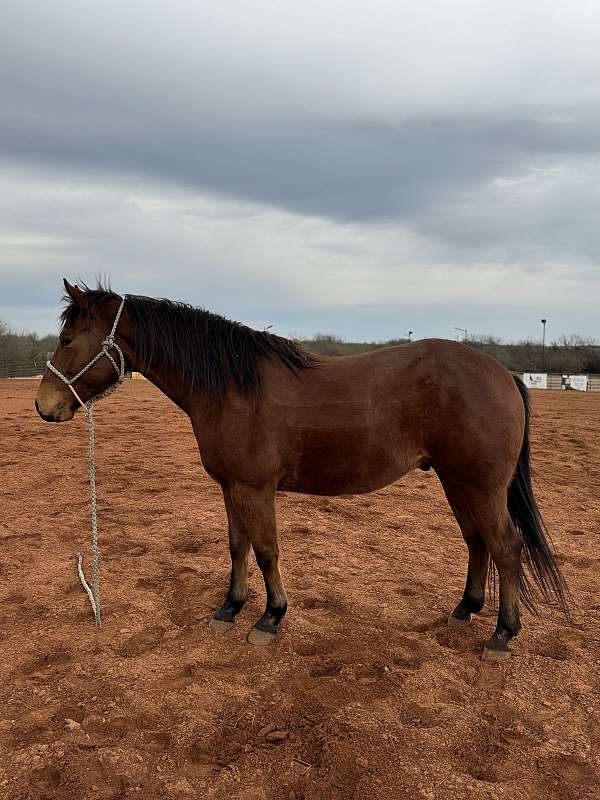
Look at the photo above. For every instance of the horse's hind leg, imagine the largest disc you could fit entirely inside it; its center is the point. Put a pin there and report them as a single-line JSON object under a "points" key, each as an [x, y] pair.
{"points": [[256, 509], [505, 545], [473, 598], [487, 514], [239, 545]]}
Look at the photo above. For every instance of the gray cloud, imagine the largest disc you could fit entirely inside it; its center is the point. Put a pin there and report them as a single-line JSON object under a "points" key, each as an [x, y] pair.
{"points": [[345, 168]]}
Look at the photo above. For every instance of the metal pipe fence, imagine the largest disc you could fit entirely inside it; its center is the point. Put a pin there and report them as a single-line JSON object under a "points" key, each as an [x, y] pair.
{"points": [[21, 369]]}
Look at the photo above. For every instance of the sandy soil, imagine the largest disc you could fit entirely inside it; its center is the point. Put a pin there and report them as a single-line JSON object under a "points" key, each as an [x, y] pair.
{"points": [[367, 693]]}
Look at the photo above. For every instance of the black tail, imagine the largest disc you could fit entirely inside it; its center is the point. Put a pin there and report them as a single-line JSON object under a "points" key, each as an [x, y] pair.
{"points": [[538, 551]]}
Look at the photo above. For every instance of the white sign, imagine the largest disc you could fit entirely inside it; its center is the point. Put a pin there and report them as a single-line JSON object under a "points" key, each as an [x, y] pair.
{"points": [[535, 380], [577, 382]]}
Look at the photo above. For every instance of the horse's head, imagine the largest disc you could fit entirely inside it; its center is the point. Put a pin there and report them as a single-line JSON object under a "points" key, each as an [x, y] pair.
{"points": [[85, 326]]}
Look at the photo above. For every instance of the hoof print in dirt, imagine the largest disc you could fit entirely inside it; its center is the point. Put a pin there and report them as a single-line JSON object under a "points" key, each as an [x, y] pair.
{"points": [[143, 642]]}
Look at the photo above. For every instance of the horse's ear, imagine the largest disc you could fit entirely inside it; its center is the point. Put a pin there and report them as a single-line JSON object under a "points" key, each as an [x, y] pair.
{"points": [[77, 295]]}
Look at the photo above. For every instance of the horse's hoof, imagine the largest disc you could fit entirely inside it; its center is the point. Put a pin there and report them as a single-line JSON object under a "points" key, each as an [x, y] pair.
{"points": [[456, 622], [260, 638], [495, 655], [219, 625]]}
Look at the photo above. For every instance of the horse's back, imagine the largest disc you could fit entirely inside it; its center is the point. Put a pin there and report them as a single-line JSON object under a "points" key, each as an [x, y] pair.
{"points": [[356, 423]]}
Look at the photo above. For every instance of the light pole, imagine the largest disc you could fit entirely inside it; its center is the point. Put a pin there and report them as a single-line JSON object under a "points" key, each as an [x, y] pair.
{"points": [[465, 331], [544, 321], [409, 334]]}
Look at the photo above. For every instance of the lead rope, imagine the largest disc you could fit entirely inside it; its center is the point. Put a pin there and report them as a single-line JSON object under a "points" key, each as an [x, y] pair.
{"points": [[107, 344], [94, 596]]}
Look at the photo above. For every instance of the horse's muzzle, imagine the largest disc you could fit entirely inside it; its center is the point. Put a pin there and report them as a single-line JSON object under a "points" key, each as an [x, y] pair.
{"points": [[60, 413]]}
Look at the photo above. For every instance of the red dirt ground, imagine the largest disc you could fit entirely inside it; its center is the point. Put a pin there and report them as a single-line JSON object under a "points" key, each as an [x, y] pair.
{"points": [[366, 694]]}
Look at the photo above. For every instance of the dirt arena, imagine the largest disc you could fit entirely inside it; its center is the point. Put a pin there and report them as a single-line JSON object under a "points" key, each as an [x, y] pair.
{"points": [[366, 694]]}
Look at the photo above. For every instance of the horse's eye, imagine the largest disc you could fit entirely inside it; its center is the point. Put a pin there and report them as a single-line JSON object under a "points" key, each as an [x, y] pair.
{"points": [[65, 341]]}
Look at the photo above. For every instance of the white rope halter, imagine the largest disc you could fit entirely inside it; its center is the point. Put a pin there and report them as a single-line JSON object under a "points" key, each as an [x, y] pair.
{"points": [[106, 345]]}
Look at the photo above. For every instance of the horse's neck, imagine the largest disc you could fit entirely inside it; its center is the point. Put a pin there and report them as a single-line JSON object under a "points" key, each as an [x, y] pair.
{"points": [[174, 389]]}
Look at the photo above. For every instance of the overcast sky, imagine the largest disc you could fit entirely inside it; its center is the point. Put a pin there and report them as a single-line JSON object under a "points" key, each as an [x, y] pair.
{"points": [[362, 168]]}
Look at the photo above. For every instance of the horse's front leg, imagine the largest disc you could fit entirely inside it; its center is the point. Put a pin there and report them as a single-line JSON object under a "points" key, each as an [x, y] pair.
{"points": [[256, 510], [239, 545]]}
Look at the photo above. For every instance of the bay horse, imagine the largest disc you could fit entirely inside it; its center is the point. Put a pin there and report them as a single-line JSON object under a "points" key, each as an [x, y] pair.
{"points": [[269, 415]]}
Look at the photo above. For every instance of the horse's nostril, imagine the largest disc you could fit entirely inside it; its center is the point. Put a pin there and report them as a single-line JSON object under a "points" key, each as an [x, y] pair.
{"points": [[45, 417]]}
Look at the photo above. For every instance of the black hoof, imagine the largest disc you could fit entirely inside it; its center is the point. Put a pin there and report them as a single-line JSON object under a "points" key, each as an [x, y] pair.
{"points": [[261, 638], [496, 649], [271, 619], [266, 624], [491, 654], [265, 630]]}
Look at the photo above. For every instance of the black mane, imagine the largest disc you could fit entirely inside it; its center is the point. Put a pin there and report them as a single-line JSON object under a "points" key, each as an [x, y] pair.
{"points": [[194, 345]]}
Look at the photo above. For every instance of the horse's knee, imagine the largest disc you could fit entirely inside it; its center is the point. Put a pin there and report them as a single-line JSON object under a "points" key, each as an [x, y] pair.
{"points": [[266, 554]]}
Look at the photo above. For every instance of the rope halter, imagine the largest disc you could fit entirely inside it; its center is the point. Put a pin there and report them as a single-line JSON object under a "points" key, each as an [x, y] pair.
{"points": [[107, 345]]}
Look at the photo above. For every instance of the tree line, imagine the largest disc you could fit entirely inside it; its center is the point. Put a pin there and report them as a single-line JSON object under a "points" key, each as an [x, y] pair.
{"points": [[23, 354], [571, 354]]}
